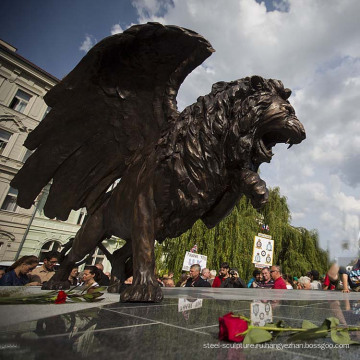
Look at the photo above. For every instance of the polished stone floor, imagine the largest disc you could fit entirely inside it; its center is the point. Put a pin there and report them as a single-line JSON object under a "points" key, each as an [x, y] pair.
{"points": [[183, 326]]}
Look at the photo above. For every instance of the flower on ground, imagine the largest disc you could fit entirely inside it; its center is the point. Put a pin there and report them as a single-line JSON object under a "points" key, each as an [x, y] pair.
{"points": [[238, 328], [230, 326], [61, 297]]}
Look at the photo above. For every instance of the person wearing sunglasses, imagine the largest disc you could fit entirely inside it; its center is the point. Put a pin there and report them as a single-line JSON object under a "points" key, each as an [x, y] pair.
{"points": [[279, 282]]}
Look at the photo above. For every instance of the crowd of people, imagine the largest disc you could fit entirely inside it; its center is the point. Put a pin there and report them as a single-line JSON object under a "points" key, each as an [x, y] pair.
{"points": [[26, 271], [336, 278]]}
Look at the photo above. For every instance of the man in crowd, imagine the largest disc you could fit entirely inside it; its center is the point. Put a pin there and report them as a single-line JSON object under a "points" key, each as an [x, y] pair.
{"points": [[46, 271], [205, 274], [212, 276], [233, 281], [266, 281], [351, 279], [104, 280], [195, 279], [279, 282], [224, 274]]}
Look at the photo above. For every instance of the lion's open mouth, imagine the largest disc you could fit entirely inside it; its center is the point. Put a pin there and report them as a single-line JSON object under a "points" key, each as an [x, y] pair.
{"points": [[289, 132]]}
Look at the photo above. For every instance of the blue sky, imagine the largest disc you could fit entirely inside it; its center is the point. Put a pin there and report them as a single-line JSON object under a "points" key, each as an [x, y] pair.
{"points": [[52, 31], [311, 45], [49, 32]]}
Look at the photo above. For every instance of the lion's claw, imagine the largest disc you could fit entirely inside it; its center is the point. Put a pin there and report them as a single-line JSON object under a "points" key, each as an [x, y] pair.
{"points": [[142, 293]]}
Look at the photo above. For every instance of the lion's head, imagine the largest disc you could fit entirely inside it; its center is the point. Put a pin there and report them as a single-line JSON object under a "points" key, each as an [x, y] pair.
{"points": [[260, 116], [249, 116], [216, 146], [227, 134]]}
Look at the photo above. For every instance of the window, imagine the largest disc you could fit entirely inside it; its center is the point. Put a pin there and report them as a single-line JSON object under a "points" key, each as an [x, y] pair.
{"points": [[96, 258], [9, 203], [20, 100], [4, 139], [6, 238], [50, 246]]}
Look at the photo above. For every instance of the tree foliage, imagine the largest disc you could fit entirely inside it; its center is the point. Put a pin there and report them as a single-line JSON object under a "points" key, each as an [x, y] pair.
{"points": [[296, 249]]}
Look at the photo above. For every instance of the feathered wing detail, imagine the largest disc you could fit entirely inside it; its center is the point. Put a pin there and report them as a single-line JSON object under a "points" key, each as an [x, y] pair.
{"points": [[106, 115]]}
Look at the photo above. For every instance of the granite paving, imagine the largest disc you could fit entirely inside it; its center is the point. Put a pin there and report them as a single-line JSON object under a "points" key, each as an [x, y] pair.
{"points": [[183, 326]]}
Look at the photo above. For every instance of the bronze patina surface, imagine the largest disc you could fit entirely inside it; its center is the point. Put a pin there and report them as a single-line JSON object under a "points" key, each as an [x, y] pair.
{"points": [[115, 117]]}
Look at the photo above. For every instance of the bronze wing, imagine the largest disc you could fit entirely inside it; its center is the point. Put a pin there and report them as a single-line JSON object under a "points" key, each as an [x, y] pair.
{"points": [[106, 115]]}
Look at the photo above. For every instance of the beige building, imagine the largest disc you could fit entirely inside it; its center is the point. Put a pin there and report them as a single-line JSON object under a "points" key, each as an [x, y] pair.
{"points": [[27, 231]]}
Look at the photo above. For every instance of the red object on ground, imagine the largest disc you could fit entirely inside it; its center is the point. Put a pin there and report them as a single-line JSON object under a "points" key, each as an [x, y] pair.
{"points": [[61, 298], [229, 326]]}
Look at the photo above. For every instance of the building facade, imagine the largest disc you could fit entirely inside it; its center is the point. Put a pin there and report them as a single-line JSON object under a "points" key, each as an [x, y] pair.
{"points": [[22, 107]]}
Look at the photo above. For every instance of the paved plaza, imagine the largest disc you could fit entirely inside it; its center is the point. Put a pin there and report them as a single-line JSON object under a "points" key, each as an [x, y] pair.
{"points": [[183, 326]]}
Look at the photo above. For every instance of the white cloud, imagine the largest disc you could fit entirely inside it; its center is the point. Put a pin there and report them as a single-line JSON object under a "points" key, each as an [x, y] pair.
{"points": [[297, 215], [88, 43], [116, 29], [348, 204], [312, 46]]}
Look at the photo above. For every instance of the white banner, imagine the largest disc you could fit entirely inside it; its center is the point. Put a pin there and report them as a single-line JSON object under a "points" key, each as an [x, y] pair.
{"points": [[193, 258], [187, 304]]}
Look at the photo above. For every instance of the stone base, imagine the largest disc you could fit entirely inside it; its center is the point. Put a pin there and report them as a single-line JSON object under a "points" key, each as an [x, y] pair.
{"points": [[183, 326]]}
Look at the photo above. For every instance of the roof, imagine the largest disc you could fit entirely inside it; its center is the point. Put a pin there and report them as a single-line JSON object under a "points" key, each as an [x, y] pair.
{"points": [[9, 49]]}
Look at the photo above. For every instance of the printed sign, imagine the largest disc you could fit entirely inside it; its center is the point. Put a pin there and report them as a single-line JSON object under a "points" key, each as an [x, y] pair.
{"points": [[193, 258], [260, 313], [189, 304], [263, 251]]}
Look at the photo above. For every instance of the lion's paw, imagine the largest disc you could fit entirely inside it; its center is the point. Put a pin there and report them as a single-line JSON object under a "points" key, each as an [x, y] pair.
{"points": [[142, 293]]}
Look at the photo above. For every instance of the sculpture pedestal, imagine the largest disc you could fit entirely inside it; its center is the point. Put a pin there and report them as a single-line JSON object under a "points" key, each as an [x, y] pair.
{"points": [[185, 325]]}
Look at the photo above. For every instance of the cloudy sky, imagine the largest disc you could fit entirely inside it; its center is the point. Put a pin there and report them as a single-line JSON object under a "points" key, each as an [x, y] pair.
{"points": [[311, 45]]}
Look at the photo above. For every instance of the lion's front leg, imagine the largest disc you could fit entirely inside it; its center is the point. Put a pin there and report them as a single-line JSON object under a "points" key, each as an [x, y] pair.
{"points": [[145, 287], [254, 188]]}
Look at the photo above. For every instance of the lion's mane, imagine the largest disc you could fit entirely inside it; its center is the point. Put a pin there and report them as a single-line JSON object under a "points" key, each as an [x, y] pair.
{"points": [[208, 141]]}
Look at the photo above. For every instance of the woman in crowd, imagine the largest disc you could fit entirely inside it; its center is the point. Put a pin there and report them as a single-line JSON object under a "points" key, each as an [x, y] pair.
{"points": [[304, 283], [73, 277], [91, 276], [17, 273]]}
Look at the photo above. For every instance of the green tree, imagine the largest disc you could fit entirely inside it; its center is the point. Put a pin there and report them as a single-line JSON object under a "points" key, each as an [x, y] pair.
{"points": [[296, 249]]}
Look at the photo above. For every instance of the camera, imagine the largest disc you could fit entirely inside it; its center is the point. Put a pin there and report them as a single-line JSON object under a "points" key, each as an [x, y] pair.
{"points": [[233, 273]]}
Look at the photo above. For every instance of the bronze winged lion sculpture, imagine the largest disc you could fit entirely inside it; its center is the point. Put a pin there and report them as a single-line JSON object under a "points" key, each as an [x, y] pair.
{"points": [[115, 117]]}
